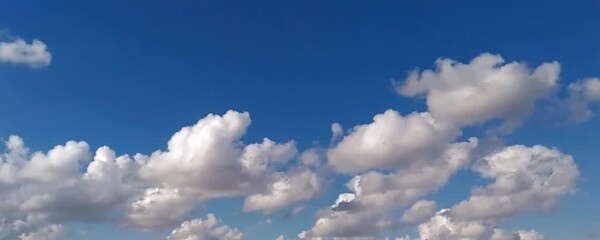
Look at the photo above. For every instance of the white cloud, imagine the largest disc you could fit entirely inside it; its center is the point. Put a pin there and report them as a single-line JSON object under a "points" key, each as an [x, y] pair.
{"points": [[419, 212], [366, 211], [40, 189], [290, 188], [408, 184], [198, 157], [203, 162], [297, 210], [205, 229], [443, 227], [30, 229], [391, 141], [281, 237], [313, 158], [259, 157], [60, 163], [485, 88], [582, 95], [337, 131], [34, 54], [158, 208], [207, 161], [588, 88], [347, 225], [525, 179]]}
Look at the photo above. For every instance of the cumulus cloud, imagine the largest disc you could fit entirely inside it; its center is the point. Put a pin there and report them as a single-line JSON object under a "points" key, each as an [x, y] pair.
{"points": [[18, 51], [39, 188], [443, 227], [399, 159], [408, 184], [207, 161], [205, 229], [365, 212], [525, 179], [202, 162], [198, 156], [486, 88], [581, 97], [391, 141], [588, 88], [288, 189]]}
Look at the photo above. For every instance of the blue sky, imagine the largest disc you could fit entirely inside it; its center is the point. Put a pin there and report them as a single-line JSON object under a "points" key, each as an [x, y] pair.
{"points": [[130, 74]]}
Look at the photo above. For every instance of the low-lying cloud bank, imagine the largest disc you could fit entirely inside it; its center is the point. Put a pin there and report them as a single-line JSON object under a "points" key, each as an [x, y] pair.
{"points": [[395, 161]]}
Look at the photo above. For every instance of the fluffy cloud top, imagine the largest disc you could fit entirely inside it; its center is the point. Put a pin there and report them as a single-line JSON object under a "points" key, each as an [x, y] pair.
{"points": [[485, 88], [34, 54], [41, 189], [202, 162], [207, 161]]}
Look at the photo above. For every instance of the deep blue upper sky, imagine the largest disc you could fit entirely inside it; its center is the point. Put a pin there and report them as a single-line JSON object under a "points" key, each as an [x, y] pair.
{"points": [[130, 73]]}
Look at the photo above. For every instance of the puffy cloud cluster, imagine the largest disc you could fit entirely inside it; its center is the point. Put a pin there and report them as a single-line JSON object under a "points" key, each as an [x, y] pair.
{"points": [[394, 163], [34, 54], [398, 160], [202, 162], [365, 212], [526, 179], [39, 189], [208, 161]]}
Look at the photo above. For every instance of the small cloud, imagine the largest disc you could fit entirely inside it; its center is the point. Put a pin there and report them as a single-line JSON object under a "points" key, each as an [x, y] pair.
{"points": [[337, 131], [297, 210], [18, 51], [281, 237], [294, 212]]}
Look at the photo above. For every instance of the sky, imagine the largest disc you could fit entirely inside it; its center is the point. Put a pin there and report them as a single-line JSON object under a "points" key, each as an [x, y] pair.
{"points": [[203, 120]]}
